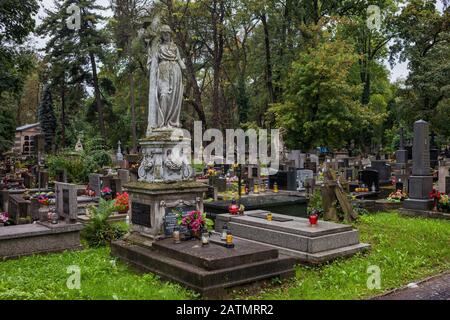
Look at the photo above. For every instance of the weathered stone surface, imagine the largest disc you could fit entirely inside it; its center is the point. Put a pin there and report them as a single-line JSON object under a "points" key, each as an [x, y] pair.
{"points": [[209, 269], [22, 240], [297, 226], [421, 181], [214, 257], [66, 201], [150, 201], [309, 244]]}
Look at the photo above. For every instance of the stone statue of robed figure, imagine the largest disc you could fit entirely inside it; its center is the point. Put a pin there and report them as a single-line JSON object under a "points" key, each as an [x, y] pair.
{"points": [[166, 80]]}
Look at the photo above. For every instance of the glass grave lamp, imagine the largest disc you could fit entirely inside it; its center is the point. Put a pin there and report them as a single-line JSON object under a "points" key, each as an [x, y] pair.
{"points": [[275, 188], [176, 235], [229, 243], [205, 237], [224, 234], [233, 209]]}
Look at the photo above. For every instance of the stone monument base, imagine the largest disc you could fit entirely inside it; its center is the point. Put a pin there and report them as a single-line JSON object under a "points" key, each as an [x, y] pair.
{"points": [[419, 189], [295, 236], [207, 269], [150, 202], [418, 204]]}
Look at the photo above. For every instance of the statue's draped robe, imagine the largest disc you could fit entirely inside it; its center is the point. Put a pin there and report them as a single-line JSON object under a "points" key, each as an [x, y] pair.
{"points": [[169, 95]]}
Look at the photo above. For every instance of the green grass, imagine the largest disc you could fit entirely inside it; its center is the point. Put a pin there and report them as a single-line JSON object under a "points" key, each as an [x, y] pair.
{"points": [[45, 277], [405, 249]]}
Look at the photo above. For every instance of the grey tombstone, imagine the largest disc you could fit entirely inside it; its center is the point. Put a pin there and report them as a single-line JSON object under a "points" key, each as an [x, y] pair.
{"points": [[95, 183], [124, 176], [43, 179], [384, 171], [218, 182], [302, 176], [116, 186], [402, 154], [66, 201], [296, 157], [421, 180]]}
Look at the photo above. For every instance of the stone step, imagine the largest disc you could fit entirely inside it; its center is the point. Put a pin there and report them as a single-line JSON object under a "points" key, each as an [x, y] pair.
{"points": [[213, 257], [321, 257], [294, 241], [207, 282]]}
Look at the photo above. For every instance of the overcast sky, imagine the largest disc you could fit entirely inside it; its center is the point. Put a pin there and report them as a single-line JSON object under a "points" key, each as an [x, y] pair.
{"points": [[399, 71]]}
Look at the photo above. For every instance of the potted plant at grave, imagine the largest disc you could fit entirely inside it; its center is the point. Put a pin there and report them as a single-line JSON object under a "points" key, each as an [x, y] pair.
{"points": [[435, 196], [121, 203], [106, 193], [396, 197], [195, 222], [444, 203]]}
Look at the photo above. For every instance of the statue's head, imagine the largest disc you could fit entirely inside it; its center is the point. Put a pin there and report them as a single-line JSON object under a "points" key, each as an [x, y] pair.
{"points": [[166, 33]]}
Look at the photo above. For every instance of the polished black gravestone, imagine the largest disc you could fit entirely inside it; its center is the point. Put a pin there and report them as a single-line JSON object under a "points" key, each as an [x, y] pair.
{"points": [[286, 180], [206, 269], [370, 178]]}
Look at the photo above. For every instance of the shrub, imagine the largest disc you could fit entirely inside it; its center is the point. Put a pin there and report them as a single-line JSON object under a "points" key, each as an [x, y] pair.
{"points": [[99, 231], [78, 166], [315, 202]]}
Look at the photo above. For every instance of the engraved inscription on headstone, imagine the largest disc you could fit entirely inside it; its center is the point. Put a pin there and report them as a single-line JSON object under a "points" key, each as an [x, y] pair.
{"points": [[171, 221], [141, 214]]}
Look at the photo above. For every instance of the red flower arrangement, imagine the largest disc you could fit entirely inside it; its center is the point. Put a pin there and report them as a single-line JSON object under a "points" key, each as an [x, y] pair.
{"points": [[195, 221], [435, 195], [122, 202], [44, 200]]}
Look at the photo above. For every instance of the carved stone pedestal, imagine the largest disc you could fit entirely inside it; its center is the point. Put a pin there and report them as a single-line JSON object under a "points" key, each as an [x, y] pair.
{"points": [[165, 157], [150, 202]]}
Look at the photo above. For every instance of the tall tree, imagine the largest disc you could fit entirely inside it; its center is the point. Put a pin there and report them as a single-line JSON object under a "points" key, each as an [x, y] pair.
{"points": [[321, 105], [47, 119], [127, 14], [424, 41], [16, 23], [74, 52]]}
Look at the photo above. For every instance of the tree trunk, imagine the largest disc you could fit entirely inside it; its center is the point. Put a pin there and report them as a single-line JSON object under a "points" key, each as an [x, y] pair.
{"points": [[269, 73], [63, 112], [132, 101], [366, 92], [98, 98], [217, 15]]}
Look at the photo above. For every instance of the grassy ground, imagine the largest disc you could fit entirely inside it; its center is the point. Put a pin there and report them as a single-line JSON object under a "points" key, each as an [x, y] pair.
{"points": [[405, 250]]}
